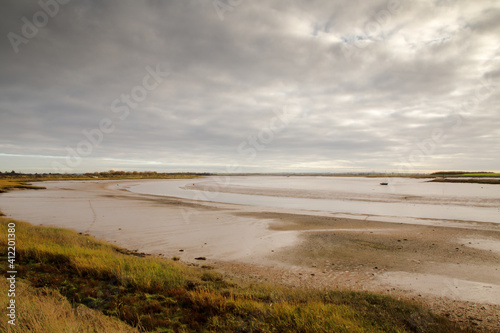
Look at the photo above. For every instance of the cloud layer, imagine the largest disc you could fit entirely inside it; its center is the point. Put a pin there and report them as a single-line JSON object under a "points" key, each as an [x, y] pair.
{"points": [[270, 86]]}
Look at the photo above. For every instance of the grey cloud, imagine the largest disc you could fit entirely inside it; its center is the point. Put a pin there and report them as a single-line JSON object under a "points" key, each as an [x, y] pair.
{"points": [[229, 79]]}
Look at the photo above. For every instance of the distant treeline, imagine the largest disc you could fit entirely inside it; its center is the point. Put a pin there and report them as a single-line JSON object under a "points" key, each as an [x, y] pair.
{"points": [[111, 174]]}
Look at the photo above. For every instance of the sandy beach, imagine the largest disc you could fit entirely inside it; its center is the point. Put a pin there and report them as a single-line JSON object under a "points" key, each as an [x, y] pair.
{"points": [[452, 266]]}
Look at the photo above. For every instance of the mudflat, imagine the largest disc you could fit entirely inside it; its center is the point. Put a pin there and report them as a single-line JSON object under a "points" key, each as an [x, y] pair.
{"points": [[454, 268]]}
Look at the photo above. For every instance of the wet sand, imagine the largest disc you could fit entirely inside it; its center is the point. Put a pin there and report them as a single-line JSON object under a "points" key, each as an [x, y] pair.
{"points": [[455, 269]]}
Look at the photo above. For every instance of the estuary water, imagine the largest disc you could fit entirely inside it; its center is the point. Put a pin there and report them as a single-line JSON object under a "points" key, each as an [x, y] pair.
{"points": [[402, 200]]}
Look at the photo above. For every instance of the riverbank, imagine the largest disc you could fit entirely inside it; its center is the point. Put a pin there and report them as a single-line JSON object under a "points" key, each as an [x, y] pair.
{"points": [[153, 294]]}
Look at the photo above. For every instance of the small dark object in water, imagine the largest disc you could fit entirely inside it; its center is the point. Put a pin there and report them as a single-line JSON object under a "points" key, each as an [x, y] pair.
{"points": [[200, 258], [384, 183]]}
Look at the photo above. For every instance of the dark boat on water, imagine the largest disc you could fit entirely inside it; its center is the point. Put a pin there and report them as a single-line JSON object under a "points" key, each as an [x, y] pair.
{"points": [[384, 183]]}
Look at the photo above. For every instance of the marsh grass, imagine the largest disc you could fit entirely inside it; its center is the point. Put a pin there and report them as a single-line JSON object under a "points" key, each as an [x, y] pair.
{"points": [[46, 310], [9, 184], [159, 295], [88, 256], [466, 177]]}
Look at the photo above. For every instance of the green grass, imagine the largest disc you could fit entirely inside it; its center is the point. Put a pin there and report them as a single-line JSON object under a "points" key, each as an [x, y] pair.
{"points": [[160, 295]]}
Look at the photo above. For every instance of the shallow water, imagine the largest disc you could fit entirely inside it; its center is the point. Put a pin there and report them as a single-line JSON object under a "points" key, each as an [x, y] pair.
{"points": [[403, 198]]}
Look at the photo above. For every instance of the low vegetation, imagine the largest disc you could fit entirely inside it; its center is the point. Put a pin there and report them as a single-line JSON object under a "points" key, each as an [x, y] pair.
{"points": [[464, 174], [104, 283], [13, 180], [111, 174], [466, 177], [6, 185]]}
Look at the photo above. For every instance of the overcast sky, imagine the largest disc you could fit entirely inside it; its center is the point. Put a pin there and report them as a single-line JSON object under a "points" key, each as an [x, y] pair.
{"points": [[249, 86]]}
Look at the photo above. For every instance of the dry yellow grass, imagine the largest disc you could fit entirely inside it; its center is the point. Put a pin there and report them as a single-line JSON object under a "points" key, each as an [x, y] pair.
{"points": [[46, 310]]}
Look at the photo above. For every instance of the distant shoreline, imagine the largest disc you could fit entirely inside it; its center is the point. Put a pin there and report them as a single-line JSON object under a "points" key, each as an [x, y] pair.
{"points": [[135, 175], [466, 180]]}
